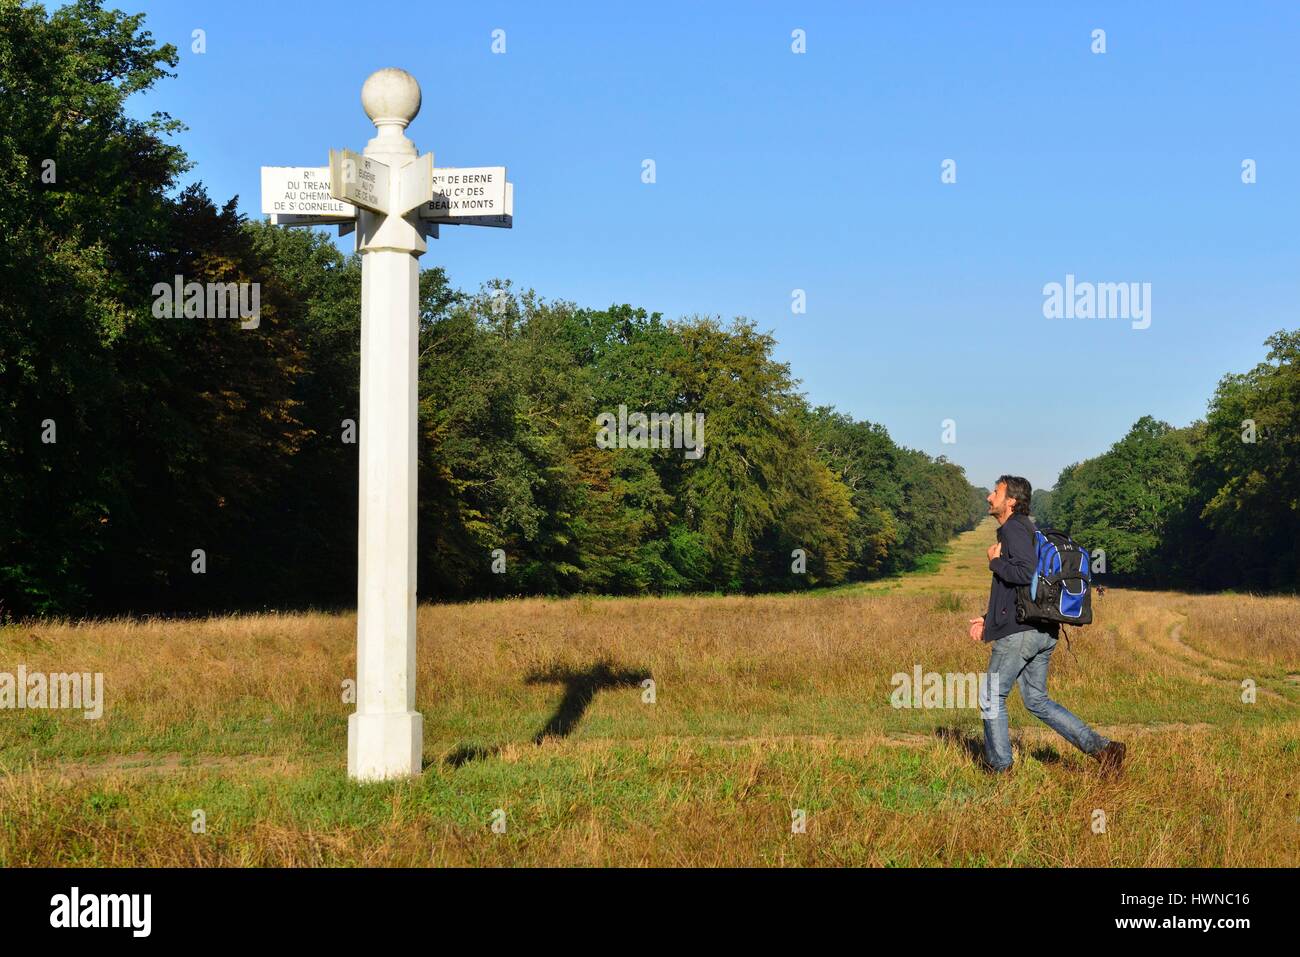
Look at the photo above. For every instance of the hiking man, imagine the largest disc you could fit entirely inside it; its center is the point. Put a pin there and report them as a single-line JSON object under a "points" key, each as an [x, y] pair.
{"points": [[1022, 653]]}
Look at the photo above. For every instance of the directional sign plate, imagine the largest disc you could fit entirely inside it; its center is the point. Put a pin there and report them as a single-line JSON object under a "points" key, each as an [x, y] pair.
{"points": [[301, 193], [415, 185], [466, 191], [359, 180], [504, 221]]}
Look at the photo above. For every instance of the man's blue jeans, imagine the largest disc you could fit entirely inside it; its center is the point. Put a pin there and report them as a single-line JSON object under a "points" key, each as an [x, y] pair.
{"points": [[1024, 658]]}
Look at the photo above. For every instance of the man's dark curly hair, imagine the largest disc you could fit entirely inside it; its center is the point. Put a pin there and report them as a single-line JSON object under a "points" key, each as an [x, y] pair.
{"points": [[1019, 489]]}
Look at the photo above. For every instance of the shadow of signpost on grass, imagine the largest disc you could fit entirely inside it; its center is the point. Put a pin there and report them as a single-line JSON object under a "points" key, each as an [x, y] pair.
{"points": [[580, 688]]}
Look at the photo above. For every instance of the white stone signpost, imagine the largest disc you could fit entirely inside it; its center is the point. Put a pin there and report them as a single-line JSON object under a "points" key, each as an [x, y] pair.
{"points": [[384, 192]]}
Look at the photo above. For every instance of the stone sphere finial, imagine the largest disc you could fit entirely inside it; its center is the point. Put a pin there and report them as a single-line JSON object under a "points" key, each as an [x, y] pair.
{"points": [[391, 97]]}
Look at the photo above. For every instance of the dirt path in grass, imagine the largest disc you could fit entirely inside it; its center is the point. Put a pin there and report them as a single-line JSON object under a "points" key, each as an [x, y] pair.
{"points": [[143, 762], [1174, 649]]}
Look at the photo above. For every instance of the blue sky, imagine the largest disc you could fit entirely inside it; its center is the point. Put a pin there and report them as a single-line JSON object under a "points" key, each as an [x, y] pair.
{"points": [[820, 171]]}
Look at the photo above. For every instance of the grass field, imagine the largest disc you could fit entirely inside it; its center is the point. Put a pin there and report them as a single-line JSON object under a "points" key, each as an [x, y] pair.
{"points": [[763, 706]]}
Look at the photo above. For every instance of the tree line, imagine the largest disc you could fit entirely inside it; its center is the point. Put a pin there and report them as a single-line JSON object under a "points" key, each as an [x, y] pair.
{"points": [[1214, 505], [158, 461]]}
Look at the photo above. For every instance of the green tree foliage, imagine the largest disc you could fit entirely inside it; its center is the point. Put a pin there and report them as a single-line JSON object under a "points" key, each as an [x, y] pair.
{"points": [[1123, 501], [1246, 477], [131, 436], [1214, 505], [512, 390], [1041, 508], [81, 206]]}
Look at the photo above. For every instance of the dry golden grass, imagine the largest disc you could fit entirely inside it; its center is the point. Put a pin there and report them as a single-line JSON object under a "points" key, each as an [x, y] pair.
{"points": [[764, 705], [1254, 629]]}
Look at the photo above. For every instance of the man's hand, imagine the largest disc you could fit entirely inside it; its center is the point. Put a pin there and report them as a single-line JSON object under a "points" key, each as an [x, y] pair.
{"points": [[995, 551], [977, 629]]}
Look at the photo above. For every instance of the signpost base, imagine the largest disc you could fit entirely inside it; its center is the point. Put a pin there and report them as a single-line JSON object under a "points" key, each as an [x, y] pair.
{"points": [[385, 746]]}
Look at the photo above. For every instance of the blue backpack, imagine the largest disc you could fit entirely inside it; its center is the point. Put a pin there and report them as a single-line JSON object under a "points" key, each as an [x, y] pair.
{"points": [[1061, 591]]}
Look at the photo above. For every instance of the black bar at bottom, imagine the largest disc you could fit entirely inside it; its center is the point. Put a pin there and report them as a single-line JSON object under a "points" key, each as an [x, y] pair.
{"points": [[375, 906]]}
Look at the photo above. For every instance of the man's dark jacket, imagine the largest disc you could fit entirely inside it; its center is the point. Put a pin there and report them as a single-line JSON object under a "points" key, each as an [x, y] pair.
{"points": [[1015, 566]]}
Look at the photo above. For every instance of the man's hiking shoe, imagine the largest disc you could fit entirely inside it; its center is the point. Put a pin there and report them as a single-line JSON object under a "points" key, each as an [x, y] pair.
{"points": [[1111, 757]]}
